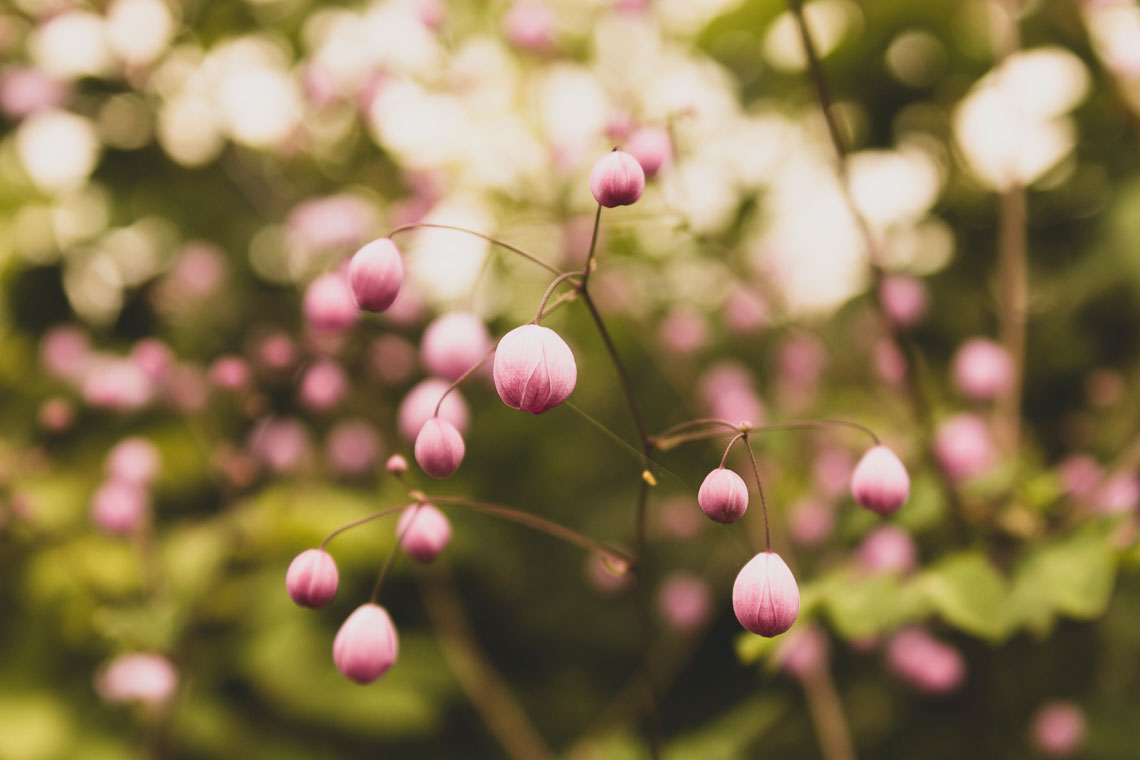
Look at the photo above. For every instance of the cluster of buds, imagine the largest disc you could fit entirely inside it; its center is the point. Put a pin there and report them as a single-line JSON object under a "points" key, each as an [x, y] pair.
{"points": [[121, 505]]}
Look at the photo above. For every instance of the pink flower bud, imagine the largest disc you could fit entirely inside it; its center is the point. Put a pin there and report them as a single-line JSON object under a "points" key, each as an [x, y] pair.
{"points": [[1119, 495], [765, 596], [723, 496], [453, 344], [534, 369], [832, 468], [927, 663], [964, 447], [118, 385], [66, 352], [366, 644], [323, 385], [617, 179], [982, 369], [419, 406], [439, 448], [810, 522], [888, 549], [280, 444], [745, 310], [119, 508], [56, 414], [1058, 729], [804, 652], [277, 351], [352, 447], [880, 482], [229, 373], [334, 222], [133, 460], [396, 465], [684, 600], [153, 357], [376, 273], [312, 578], [329, 303], [530, 26], [424, 532], [1079, 474], [726, 391], [904, 299], [652, 147], [890, 364], [683, 331], [24, 90], [186, 387], [149, 678]]}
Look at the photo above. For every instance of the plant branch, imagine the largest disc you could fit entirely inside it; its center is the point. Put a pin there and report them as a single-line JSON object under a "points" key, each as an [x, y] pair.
{"points": [[514, 249]]}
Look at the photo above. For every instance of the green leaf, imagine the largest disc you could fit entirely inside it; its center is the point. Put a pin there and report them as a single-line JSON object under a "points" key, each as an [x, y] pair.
{"points": [[969, 593], [864, 606], [1077, 572]]}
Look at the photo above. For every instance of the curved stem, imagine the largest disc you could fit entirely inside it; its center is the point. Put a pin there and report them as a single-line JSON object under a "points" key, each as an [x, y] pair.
{"points": [[589, 266], [559, 302], [550, 291], [514, 249], [361, 521], [623, 377], [391, 560], [664, 444], [813, 424], [728, 448], [760, 490], [459, 380], [696, 423]]}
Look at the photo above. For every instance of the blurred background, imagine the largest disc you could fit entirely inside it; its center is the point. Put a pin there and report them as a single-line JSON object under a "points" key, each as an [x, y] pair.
{"points": [[182, 411]]}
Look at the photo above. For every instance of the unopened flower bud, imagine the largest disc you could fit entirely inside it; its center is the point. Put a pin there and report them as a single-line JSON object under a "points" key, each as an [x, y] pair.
{"points": [[617, 179], [927, 663], [804, 652], [419, 406], [888, 549], [376, 275], [454, 343], [119, 507], [1058, 729], [397, 465], [765, 596], [229, 373], [138, 677], [652, 147], [534, 369], [329, 303], [982, 369], [366, 644], [723, 496], [133, 460], [424, 531], [323, 385], [439, 448], [684, 600], [312, 578], [904, 299], [964, 446], [880, 482]]}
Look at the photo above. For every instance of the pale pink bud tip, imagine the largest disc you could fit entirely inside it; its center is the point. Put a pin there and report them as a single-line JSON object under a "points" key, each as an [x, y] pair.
{"points": [[137, 677], [880, 482], [424, 532], [119, 507], [652, 147], [329, 304], [454, 343], [723, 496], [765, 596], [439, 448], [366, 644], [312, 578], [376, 275], [982, 369], [397, 465], [133, 460], [617, 179], [534, 369], [1059, 729]]}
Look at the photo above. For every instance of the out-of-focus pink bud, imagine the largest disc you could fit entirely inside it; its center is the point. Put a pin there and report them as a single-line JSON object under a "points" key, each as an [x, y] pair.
{"points": [[677, 518], [419, 406], [139, 677], [534, 369], [312, 578], [396, 465], [454, 343], [888, 549], [765, 596], [424, 531], [880, 482], [723, 496], [133, 460], [352, 448], [376, 274], [726, 391], [745, 310], [1119, 495], [66, 352], [197, 273], [335, 222], [230, 373], [392, 359], [439, 448], [1058, 729], [683, 331], [117, 384], [366, 644], [964, 447], [684, 600], [24, 90], [810, 522], [280, 444], [929, 664], [431, 13], [153, 357], [890, 364], [186, 387], [323, 385], [56, 414], [652, 147], [631, 6], [804, 652], [530, 26], [904, 299], [119, 508], [982, 369], [329, 303], [617, 179], [801, 360], [1079, 474], [832, 469], [277, 352]]}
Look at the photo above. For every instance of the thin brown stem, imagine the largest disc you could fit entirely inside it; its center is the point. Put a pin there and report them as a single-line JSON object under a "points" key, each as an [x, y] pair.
{"points": [[588, 269], [816, 424], [703, 422], [760, 490], [559, 302], [361, 521], [514, 249], [459, 380], [391, 560], [827, 715], [549, 292], [728, 448], [664, 444]]}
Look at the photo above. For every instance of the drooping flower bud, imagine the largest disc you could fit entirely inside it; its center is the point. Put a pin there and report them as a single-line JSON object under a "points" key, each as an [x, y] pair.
{"points": [[765, 596], [396, 465], [376, 275], [617, 179], [723, 496], [454, 343], [329, 303], [424, 531], [312, 578], [880, 482], [139, 677], [964, 447], [439, 448], [419, 406], [119, 507], [133, 460], [652, 147], [534, 369], [982, 369], [366, 644], [926, 662], [1058, 729]]}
